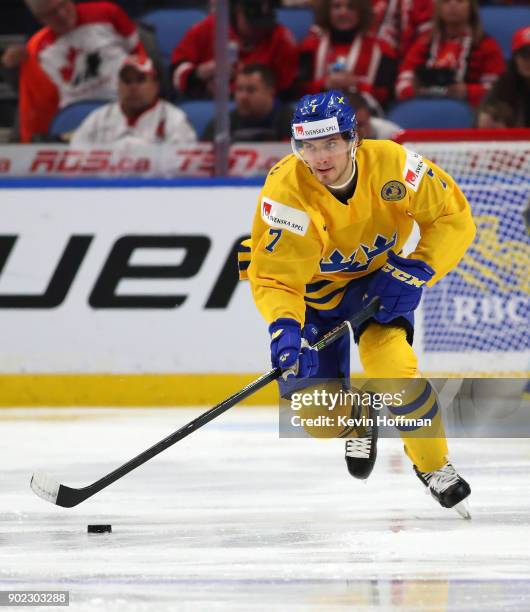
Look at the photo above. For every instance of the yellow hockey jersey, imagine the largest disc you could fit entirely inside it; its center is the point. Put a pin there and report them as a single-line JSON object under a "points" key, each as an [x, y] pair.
{"points": [[306, 245]]}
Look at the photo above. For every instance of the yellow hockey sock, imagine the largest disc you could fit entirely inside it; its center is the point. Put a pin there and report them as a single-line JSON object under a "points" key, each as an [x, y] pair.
{"points": [[385, 353]]}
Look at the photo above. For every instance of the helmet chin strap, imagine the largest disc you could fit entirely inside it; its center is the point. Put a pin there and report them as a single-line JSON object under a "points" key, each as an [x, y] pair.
{"points": [[350, 178], [338, 187]]}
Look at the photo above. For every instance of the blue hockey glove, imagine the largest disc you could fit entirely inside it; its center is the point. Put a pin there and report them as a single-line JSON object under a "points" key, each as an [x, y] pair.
{"points": [[399, 285], [291, 350]]}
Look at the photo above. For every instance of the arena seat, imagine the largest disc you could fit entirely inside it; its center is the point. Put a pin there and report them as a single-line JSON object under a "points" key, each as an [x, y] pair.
{"points": [[70, 117], [170, 26], [199, 113], [501, 22], [431, 113], [298, 20]]}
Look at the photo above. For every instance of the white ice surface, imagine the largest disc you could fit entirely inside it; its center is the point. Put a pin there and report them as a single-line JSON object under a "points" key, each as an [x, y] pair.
{"points": [[233, 518]]}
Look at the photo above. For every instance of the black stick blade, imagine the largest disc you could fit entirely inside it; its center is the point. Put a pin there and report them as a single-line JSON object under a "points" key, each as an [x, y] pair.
{"points": [[68, 497]]}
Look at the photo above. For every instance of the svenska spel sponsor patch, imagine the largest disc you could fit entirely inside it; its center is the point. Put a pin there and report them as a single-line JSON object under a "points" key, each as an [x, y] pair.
{"points": [[315, 129], [285, 217], [414, 170]]}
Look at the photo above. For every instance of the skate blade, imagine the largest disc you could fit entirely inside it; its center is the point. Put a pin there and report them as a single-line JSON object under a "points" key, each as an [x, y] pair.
{"points": [[462, 509]]}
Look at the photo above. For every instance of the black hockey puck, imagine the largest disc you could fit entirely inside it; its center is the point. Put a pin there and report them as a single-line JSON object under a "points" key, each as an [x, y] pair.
{"points": [[99, 529]]}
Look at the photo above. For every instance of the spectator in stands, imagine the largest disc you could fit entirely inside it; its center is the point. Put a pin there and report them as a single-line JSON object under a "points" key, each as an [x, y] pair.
{"points": [[75, 57], [399, 23], [369, 126], [139, 115], [258, 116], [457, 59], [340, 53], [495, 114], [254, 37], [513, 87]]}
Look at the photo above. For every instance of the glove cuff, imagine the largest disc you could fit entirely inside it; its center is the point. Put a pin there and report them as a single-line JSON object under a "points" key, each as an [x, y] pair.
{"points": [[286, 323], [407, 262]]}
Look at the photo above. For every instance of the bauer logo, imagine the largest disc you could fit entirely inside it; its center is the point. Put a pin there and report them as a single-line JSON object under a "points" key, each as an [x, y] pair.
{"points": [[118, 265], [286, 217], [316, 129], [414, 170]]}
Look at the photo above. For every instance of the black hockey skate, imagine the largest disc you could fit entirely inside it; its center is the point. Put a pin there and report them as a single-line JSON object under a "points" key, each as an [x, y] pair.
{"points": [[447, 487], [361, 452]]}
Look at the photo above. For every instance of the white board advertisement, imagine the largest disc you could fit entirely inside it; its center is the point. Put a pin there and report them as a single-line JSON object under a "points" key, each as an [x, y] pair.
{"points": [[106, 310], [143, 280]]}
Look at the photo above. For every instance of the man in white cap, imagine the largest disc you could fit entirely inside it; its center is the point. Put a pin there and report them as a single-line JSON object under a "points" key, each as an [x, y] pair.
{"points": [[139, 115]]}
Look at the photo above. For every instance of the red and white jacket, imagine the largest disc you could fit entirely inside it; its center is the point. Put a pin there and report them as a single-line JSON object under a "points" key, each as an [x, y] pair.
{"points": [[399, 23], [477, 65], [80, 65], [278, 51], [361, 58]]}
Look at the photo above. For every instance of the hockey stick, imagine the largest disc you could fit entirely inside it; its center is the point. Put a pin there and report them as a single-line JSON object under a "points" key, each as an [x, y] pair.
{"points": [[68, 497]]}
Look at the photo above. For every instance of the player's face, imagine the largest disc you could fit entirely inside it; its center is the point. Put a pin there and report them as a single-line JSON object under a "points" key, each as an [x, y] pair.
{"points": [[342, 15], [59, 15], [329, 158], [137, 91]]}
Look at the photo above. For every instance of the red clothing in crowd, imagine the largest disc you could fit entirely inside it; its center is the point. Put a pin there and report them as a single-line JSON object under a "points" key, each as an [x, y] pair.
{"points": [[277, 50], [478, 66], [80, 65], [362, 57], [399, 23]]}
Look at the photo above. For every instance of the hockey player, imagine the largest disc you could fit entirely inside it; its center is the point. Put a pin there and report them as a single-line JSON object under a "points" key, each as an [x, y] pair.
{"points": [[326, 239]]}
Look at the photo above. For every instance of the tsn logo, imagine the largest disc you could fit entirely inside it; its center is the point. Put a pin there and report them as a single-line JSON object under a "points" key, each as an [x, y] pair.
{"points": [[118, 267]]}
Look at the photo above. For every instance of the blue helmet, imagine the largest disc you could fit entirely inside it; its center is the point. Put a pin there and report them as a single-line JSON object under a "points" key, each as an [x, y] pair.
{"points": [[323, 108]]}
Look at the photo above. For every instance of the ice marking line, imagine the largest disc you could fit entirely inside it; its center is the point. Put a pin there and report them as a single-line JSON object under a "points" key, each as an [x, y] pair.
{"points": [[250, 581]]}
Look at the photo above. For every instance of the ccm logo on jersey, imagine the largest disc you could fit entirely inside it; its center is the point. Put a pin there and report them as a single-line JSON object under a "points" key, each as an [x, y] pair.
{"points": [[414, 170], [408, 279], [284, 217]]}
